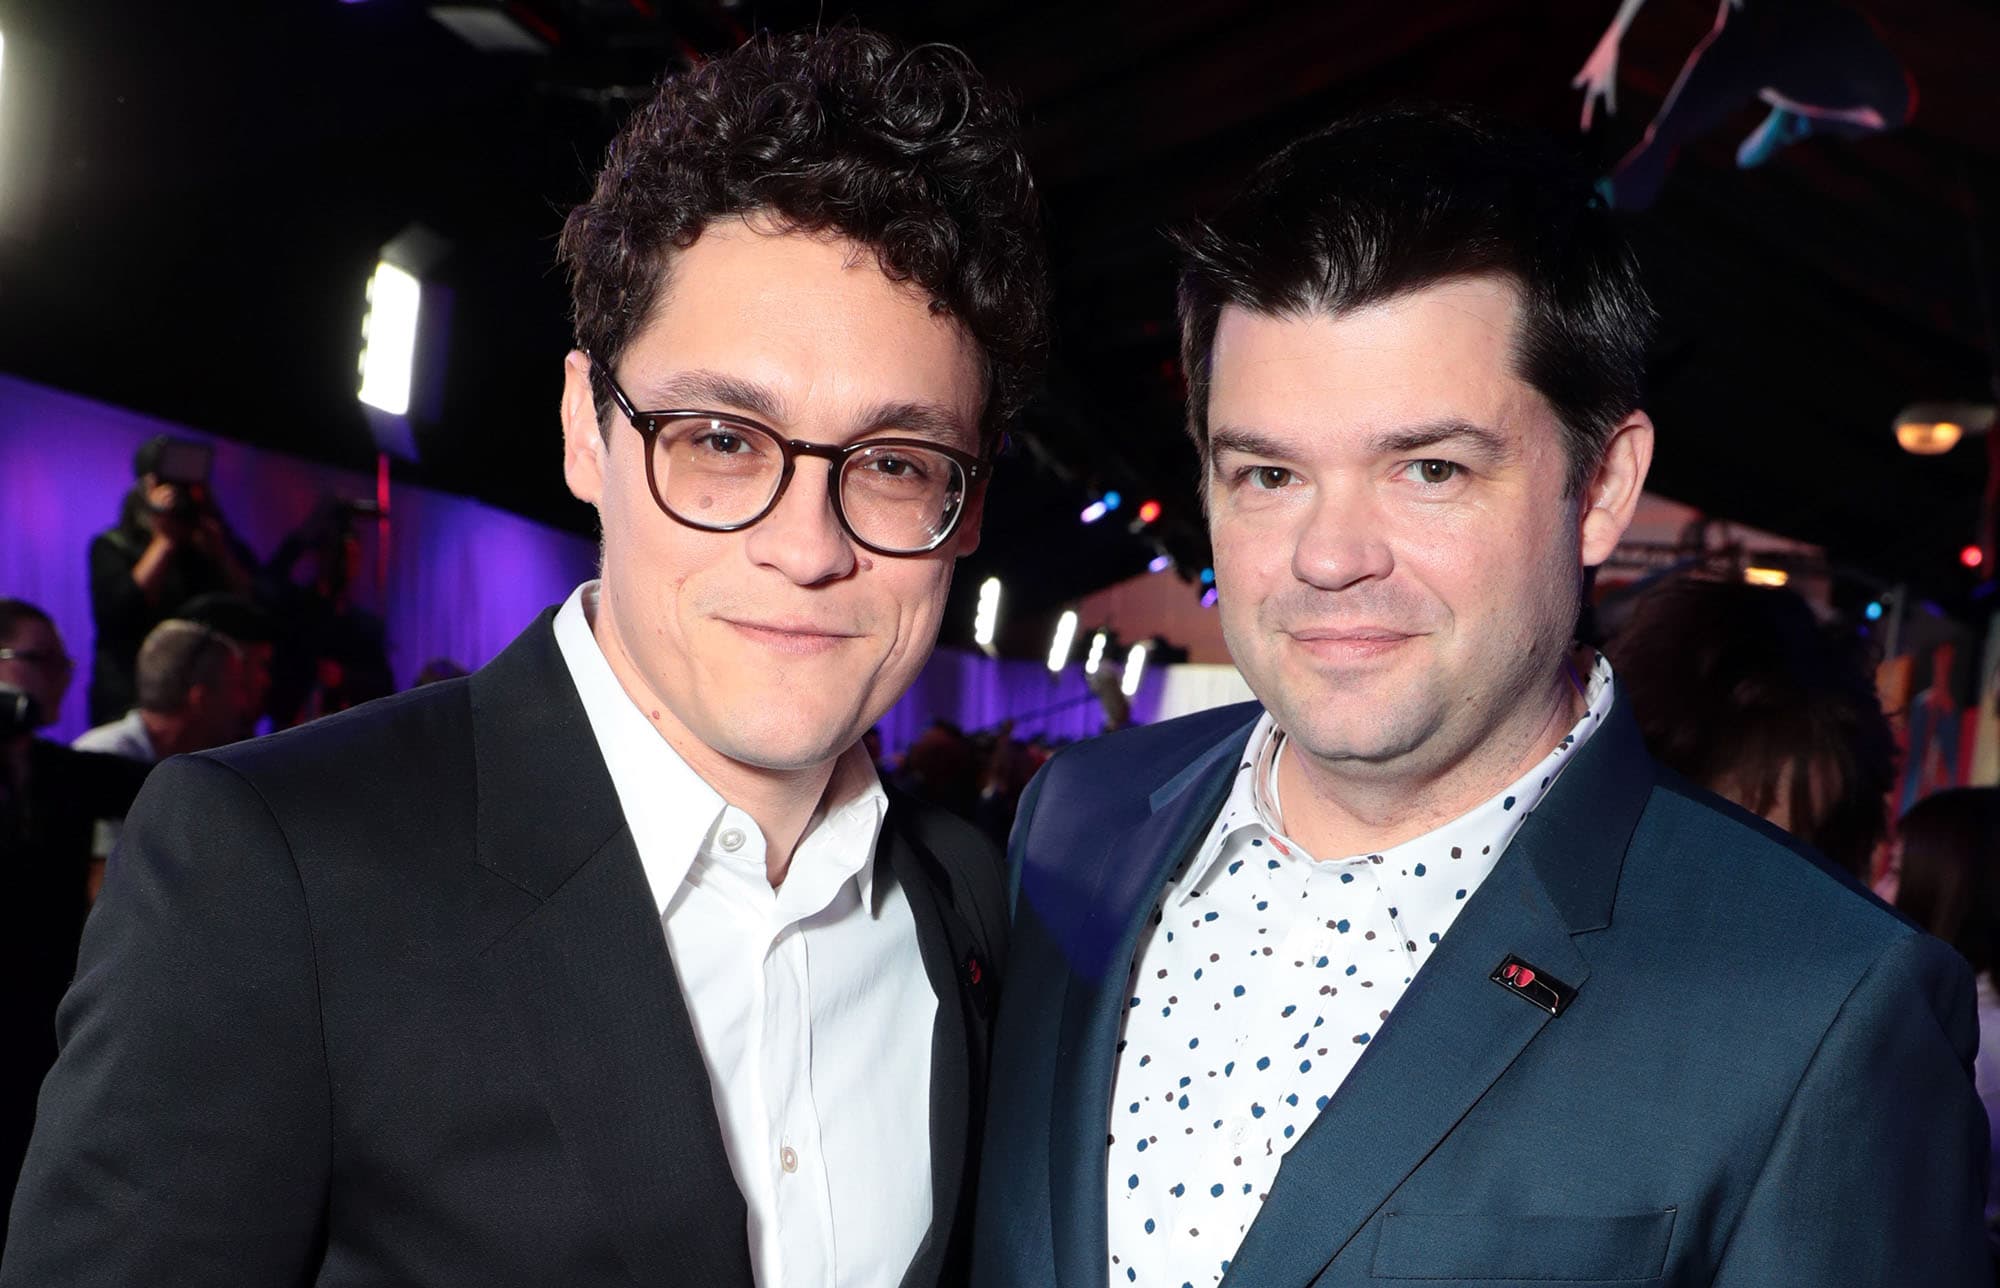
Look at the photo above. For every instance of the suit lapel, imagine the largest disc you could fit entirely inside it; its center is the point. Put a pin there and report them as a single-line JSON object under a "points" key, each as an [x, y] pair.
{"points": [[1452, 1034], [1455, 1031], [588, 979], [946, 944], [1129, 880]]}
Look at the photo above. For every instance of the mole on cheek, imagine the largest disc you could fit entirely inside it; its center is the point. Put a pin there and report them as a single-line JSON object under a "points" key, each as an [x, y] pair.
{"points": [[656, 713]]}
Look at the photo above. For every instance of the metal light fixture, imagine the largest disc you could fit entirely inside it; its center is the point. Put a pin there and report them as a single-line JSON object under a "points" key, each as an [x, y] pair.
{"points": [[1934, 428]]}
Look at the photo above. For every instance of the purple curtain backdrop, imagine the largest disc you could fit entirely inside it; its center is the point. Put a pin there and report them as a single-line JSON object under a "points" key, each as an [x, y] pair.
{"points": [[976, 692], [464, 578]]}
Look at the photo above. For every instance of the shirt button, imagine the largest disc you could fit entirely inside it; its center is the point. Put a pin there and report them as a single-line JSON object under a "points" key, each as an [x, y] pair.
{"points": [[788, 1158], [732, 839]]}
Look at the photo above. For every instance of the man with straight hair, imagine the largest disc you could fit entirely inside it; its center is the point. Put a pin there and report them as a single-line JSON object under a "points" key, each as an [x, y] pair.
{"points": [[194, 693], [614, 963], [1420, 968]]}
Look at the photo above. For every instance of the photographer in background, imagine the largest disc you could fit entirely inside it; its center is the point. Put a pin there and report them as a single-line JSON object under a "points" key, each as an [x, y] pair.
{"points": [[170, 545], [332, 653], [54, 806]]}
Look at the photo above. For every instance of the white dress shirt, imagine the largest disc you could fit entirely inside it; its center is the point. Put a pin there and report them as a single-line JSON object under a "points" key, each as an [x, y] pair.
{"points": [[125, 736], [1265, 974], [809, 1001]]}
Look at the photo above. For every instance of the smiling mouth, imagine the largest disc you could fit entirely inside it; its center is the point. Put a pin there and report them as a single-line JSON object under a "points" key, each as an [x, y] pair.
{"points": [[791, 637], [1354, 643]]}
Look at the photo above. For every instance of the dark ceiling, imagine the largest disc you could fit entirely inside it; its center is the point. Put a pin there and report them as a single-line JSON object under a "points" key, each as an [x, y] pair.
{"points": [[218, 182]]}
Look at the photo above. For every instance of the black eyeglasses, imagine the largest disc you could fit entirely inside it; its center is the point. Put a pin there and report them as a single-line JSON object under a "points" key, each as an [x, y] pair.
{"points": [[721, 472]]}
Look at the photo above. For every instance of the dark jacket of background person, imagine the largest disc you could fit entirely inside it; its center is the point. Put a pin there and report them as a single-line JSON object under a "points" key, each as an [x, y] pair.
{"points": [[385, 999], [46, 845], [124, 614], [1760, 1079], [331, 653], [1950, 845], [1746, 692]]}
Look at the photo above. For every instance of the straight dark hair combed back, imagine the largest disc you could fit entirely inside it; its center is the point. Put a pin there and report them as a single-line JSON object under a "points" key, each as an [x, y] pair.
{"points": [[1950, 884], [908, 152], [1386, 203]]}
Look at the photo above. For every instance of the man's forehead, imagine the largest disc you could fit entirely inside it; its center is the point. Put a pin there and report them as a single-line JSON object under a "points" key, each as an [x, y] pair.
{"points": [[1446, 351], [30, 632]]}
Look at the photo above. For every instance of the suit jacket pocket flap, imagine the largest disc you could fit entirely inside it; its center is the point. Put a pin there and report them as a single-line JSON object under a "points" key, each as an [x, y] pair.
{"points": [[1500, 1246]]}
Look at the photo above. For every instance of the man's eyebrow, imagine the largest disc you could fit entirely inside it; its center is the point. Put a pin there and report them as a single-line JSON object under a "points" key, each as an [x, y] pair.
{"points": [[919, 419], [1247, 442], [718, 391], [1450, 431], [712, 391]]}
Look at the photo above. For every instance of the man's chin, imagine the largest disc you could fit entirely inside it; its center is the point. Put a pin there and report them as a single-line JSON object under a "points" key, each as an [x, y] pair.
{"points": [[783, 750]]}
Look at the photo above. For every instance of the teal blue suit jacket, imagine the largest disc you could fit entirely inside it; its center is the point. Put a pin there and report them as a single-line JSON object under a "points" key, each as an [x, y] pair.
{"points": [[1763, 1077]]}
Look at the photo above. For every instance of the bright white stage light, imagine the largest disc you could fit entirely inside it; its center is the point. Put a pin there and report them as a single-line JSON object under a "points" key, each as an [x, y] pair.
{"points": [[986, 620], [389, 339], [1095, 658], [1065, 636], [1135, 667]]}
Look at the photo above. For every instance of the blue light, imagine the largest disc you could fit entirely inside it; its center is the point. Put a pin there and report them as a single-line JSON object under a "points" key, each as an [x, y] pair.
{"points": [[1160, 563], [1112, 501], [1208, 576], [1874, 610]]}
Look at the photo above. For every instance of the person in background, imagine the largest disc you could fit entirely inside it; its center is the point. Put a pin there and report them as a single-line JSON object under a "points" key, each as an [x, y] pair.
{"points": [[196, 691], [252, 630], [169, 545], [334, 653], [1950, 846], [55, 808], [1744, 690]]}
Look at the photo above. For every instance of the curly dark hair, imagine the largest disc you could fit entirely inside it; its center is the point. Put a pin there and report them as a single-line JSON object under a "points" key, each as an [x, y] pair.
{"points": [[906, 151]]}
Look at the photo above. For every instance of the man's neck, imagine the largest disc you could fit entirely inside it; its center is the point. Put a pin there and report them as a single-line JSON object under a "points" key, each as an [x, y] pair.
{"points": [[1334, 810], [781, 802], [168, 732]]}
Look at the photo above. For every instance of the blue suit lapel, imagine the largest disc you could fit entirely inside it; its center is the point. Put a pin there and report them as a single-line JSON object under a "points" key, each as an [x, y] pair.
{"points": [[1455, 1031], [1129, 880]]}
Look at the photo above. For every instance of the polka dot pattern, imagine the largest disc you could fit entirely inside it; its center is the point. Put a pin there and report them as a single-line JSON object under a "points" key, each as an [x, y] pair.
{"points": [[1258, 987]]}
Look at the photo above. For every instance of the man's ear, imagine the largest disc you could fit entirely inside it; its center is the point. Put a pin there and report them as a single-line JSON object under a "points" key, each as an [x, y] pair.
{"points": [[1612, 495], [583, 440], [968, 526]]}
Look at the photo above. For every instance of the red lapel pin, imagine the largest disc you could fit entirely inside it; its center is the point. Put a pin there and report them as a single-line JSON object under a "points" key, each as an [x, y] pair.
{"points": [[1542, 989]]}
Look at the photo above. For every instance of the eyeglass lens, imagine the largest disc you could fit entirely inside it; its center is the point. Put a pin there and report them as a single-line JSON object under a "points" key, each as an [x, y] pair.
{"points": [[718, 474]]}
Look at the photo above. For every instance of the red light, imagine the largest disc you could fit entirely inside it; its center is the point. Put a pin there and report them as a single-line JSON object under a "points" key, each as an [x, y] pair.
{"points": [[1972, 556], [1149, 511]]}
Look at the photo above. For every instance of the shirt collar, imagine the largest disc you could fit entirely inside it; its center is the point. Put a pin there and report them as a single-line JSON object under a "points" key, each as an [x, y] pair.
{"points": [[1480, 835], [673, 813]]}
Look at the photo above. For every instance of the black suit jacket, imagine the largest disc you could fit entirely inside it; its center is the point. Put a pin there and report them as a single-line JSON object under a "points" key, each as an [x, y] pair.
{"points": [[386, 1000]]}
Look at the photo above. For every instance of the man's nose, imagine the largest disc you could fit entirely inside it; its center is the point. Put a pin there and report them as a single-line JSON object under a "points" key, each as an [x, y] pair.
{"points": [[802, 536]]}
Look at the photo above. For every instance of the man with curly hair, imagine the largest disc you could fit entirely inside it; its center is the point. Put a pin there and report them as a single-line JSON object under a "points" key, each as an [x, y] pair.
{"points": [[615, 963]]}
